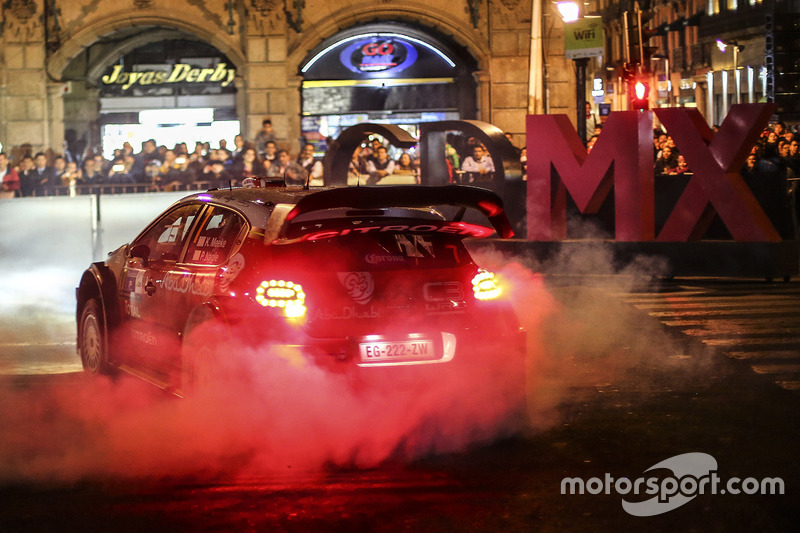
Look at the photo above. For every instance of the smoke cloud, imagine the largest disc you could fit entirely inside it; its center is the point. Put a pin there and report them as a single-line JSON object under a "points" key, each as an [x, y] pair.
{"points": [[270, 415]]}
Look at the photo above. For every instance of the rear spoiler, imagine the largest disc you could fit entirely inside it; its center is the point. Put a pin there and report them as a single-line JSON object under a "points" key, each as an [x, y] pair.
{"points": [[483, 200]]}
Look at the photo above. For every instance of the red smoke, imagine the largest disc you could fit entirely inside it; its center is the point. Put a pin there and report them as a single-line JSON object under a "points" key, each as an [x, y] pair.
{"points": [[275, 417]]}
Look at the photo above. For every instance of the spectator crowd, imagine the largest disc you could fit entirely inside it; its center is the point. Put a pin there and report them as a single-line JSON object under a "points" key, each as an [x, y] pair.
{"points": [[158, 168], [776, 151]]}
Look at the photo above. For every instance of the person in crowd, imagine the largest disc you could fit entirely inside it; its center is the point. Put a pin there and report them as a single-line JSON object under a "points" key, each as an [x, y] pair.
{"points": [[270, 153], [405, 165], [682, 166], [750, 164], [370, 151], [380, 166], [523, 161], [121, 171], [59, 165], [41, 176], [770, 146], [102, 164], [307, 160], [358, 165], [200, 153], [247, 166], [793, 159], [90, 173], [290, 171], [264, 135], [215, 175], [238, 147], [28, 180], [479, 165], [590, 143], [71, 175], [8, 177], [180, 176], [516, 148], [223, 145], [170, 161], [152, 175], [591, 122], [667, 161]]}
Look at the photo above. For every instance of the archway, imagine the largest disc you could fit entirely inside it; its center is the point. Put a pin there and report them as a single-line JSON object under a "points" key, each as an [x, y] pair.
{"points": [[389, 72], [116, 69]]}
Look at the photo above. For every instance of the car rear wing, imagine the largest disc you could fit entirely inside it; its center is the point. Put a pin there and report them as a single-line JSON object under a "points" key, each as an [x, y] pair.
{"points": [[385, 196]]}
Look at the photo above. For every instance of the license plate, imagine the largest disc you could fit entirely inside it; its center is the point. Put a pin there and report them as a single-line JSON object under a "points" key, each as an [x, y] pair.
{"points": [[381, 352]]}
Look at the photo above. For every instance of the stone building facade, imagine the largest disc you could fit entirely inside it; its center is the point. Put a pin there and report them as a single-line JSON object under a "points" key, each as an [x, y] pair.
{"points": [[55, 54]]}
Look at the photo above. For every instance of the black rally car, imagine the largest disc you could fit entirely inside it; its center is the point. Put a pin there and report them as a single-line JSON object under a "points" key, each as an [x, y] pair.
{"points": [[349, 279]]}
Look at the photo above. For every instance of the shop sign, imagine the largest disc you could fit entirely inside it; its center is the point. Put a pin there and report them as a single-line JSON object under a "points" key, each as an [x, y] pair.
{"points": [[180, 73], [378, 56]]}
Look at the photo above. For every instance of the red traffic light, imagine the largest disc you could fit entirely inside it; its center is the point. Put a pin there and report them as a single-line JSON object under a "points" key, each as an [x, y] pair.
{"points": [[641, 93]]}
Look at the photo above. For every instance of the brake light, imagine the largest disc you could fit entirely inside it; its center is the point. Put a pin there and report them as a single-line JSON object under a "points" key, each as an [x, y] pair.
{"points": [[484, 285], [285, 295]]}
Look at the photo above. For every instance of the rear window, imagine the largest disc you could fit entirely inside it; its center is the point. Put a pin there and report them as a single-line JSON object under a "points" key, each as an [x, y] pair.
{"points": [[380, 251]]}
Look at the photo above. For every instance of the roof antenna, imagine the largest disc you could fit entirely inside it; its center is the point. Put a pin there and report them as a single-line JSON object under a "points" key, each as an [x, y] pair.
{"points": [[230, 185], [308, 182]]}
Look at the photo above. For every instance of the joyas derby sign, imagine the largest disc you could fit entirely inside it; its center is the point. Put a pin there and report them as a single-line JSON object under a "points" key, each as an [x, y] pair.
{"points": [[180, 73]]}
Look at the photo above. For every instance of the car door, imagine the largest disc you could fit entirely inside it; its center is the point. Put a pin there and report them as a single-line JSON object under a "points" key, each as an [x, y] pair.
{"points": [[144, 296], [217, 235]]}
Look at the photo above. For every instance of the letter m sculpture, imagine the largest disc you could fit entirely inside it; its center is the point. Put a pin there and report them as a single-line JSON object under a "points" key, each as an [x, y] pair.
{"points": [[558, 163]]}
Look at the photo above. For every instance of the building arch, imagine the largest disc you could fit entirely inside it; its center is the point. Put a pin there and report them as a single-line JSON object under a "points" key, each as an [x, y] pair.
{"points": [[417, 14], [86, 36], [330, 97]]}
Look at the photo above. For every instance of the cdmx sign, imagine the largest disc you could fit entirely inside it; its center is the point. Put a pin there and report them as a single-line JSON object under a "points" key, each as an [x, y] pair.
{"points": [[622, 158]]}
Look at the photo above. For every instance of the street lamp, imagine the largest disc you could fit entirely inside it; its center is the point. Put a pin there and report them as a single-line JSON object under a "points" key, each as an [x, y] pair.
{"points": [[722, 45], [571, 12]]}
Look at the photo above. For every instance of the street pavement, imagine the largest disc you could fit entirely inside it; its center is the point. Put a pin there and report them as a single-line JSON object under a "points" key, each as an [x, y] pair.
{"points": [[752, 320], [626, 373]]}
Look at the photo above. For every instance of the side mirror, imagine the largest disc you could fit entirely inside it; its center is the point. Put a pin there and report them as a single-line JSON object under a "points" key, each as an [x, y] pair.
{"points": [[141, 251]]}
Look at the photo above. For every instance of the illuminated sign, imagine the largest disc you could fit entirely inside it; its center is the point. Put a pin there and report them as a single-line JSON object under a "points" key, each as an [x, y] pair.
{"points": [[180, 73], [378, 55]]}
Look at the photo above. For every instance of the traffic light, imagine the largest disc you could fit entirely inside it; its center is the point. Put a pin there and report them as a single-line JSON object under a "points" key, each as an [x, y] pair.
{"points": [[640, 94], [636, 35]]}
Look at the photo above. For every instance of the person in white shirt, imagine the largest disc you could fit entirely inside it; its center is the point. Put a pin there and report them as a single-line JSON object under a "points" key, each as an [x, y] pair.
{"points": [[379, 167], [479, 165]]}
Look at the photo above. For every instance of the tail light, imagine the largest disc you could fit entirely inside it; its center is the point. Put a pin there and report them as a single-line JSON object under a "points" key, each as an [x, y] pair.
{"points": [[285, 295], [484, 285]]}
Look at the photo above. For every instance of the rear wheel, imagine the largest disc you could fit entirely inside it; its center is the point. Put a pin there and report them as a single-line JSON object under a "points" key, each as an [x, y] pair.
{"points": [[92, 346]]}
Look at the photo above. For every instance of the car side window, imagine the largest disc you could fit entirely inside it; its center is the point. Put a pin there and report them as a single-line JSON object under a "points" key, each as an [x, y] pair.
{"points": [[166, 237], [217, 235]]}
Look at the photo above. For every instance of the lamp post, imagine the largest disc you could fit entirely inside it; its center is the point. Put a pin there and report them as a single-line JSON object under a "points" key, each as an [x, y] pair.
{"points": [[571, 12]]}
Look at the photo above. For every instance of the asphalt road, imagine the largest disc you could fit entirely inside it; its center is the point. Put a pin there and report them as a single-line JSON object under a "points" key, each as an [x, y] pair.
{"points": [[613, 389]]}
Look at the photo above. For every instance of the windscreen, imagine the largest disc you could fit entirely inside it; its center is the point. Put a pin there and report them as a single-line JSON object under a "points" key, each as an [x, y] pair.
{"points": [[379, 251]]}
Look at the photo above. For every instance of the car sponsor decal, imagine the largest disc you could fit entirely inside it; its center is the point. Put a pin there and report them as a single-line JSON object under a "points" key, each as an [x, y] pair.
{"points": [[380, 259], [443, 296], [183, 282], [145, 337], [229, 272], [346, 313], [359, 285], [133, 281]]}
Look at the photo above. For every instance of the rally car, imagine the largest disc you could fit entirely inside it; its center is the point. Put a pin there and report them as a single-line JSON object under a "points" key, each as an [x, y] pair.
{"points": [[351, 280]]}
